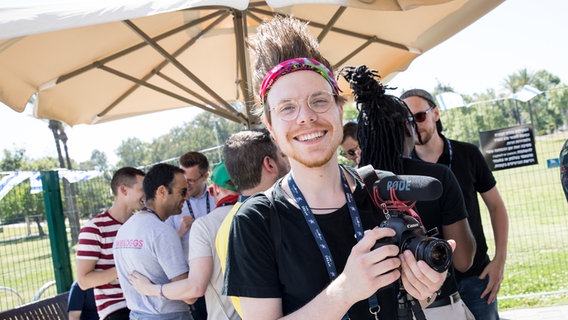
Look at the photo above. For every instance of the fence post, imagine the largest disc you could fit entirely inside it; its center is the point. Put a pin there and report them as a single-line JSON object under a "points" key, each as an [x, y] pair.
{"points": [[57, 234]]}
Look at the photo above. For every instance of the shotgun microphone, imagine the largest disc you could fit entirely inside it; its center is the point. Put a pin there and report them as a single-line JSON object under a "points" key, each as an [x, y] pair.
{"points": [[408, 187]]}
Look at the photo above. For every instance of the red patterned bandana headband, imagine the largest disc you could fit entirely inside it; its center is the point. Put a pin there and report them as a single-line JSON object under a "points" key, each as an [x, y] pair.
{"points": [[293, 65]]}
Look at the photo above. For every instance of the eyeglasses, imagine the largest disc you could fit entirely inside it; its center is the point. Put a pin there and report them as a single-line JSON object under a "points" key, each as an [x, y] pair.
{"points": [[318, 102], [194, 181], [421, 116]]}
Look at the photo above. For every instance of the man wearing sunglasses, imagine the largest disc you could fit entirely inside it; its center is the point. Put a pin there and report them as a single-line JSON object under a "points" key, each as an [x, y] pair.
{"points": [[479, 285], [145, 243], [350, 144]]}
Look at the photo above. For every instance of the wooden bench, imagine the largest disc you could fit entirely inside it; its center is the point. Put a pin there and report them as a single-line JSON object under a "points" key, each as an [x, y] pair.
{"points": [[51, 308]]}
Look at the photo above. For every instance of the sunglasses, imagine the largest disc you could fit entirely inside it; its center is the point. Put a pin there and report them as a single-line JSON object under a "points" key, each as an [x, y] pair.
{"points": [[421, 116], [351, 152]]}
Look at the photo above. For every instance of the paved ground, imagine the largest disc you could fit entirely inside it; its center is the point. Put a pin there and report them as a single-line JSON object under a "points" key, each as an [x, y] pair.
{"points": [[547, 313]]}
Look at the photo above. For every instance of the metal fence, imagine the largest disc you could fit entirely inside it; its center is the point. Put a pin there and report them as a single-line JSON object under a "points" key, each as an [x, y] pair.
{"points": [[536, 270], [25, 252], [537, 257]]}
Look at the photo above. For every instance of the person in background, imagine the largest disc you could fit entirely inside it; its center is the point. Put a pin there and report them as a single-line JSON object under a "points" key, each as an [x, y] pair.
{"points": [[81, 304], [148, 245], [222, 188], [564, 168], [196, 171], [386, 135], [256, 163], [350, 144], [95, 262], [479, 285], [205, 276], [290, 275]]}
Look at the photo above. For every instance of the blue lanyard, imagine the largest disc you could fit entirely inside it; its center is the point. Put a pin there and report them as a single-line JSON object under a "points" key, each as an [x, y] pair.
{"points": [[151, 211], [206, 203], [318, 234], [451, 151]]}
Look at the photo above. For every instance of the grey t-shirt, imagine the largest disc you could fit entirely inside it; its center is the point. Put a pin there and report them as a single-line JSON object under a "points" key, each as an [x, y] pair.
{"points": [[147, 245]]}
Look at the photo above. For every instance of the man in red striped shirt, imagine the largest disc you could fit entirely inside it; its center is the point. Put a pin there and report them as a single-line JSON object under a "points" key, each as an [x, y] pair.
{"points": [[95, 262]]}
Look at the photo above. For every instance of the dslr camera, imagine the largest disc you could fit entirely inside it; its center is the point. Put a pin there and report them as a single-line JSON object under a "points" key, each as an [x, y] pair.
{"points": [[411, 235]]}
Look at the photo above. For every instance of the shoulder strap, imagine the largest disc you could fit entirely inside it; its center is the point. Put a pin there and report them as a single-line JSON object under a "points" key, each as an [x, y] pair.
{"points": [[369, 176]]}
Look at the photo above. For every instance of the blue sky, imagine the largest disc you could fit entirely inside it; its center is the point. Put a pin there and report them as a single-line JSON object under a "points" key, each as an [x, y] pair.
{"points": [[516, 35]]}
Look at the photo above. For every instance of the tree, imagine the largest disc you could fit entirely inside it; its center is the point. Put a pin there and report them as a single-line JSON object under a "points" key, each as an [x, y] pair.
{"points": [[133, 152], [13, 160], [99, 160], [350, 112]]}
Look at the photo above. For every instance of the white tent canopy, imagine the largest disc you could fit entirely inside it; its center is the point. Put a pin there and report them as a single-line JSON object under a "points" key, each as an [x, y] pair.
{"points": [[93, 61]]}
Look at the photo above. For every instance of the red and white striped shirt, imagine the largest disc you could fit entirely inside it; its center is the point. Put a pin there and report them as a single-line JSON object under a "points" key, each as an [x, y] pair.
{"points": [[95, 243]]}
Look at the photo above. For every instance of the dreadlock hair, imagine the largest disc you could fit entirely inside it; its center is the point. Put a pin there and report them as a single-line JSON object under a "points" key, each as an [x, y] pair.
{"points": [[381, 122]]}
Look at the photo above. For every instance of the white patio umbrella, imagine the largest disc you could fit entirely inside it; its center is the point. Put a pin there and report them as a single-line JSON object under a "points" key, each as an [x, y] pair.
{"points": [[95, 61]]}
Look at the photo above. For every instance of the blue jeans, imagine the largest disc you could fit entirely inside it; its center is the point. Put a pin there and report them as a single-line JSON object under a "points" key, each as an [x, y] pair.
{"points": [[470, 289]]}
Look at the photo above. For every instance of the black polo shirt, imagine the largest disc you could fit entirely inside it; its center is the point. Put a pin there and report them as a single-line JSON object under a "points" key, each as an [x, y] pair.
{"points": [[473, 174]]}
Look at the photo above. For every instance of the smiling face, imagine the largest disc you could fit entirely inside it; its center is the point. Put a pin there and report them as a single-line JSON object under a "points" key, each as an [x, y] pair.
{"points": [[135, 194], [177, 195], [311, 138], [196, 181]]}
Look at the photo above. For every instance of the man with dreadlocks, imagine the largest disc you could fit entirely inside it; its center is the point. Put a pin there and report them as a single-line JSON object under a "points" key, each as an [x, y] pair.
{"points": [[300, 249], [386, 137]]}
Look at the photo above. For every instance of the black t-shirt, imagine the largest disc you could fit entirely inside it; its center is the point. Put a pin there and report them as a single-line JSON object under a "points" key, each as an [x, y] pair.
{"points": [[447, 209], [294, 269], [473, 174], [564, 168]]}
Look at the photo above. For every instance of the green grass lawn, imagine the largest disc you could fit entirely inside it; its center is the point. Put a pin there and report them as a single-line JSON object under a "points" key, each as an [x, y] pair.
{"points": [[26, 265], [538, 225]]}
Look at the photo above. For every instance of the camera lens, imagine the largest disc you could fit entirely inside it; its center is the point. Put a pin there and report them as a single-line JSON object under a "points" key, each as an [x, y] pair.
{"points": [[436, 253]]}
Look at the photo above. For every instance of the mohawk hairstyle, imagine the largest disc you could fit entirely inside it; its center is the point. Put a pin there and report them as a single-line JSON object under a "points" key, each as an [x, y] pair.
{"points": [[381, 122], [281, 39]]}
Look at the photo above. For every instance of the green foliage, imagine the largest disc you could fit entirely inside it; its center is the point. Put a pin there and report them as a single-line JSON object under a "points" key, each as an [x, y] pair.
{"points": [[133, 152], [13, 160], [46, 163], [98, 161], [489, 110], [204, 132], [350, 112]]}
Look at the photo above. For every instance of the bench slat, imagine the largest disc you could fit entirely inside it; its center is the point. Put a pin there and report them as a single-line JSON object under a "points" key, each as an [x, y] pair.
{"points": [[51, 308]]}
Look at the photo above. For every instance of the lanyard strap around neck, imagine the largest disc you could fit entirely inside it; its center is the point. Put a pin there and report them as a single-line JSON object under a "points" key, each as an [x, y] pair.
{"points": [[206, 203], [318, 234], [450, 151], [151, 211]]}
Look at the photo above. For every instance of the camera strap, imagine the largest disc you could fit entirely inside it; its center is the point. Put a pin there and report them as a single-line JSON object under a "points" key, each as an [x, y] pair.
{"points": [[368, 175], [318, 234]]}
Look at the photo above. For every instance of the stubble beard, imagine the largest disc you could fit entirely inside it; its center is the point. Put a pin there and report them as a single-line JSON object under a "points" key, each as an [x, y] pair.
{"points": [[310, 162], [426, 136]]}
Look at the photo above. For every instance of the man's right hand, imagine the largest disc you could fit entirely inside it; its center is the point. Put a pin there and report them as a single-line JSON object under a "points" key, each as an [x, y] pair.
{"points": [[368, 270]]}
